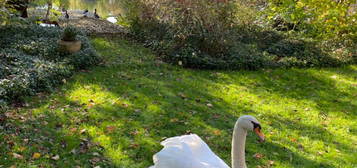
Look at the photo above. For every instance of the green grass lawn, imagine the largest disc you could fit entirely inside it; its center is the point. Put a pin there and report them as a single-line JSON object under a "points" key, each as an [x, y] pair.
{"points": [[116, 114]]}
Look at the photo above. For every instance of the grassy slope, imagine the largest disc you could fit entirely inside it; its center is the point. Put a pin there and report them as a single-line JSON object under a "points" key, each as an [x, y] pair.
{"points": [[116, 115]]}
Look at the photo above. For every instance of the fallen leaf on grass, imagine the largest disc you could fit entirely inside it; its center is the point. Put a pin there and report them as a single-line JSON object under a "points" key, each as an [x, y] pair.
{"points": [[217, 132], [125, 105], [90, 105], [56, 157], [21, 149], [95, 160], [110, 129], [17, 156], [136, 132], [258, 155], [134, 145], [293, 140], [73, 151], [95, 154], [216, 116], [73, 130], [270, 162], [301, 147], [82, 131], [36, 155], [183, 96], [174, 119]]}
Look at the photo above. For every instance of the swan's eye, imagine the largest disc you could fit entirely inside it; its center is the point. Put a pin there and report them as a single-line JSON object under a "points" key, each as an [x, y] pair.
{"points": [[257, 129], [256, 125]]}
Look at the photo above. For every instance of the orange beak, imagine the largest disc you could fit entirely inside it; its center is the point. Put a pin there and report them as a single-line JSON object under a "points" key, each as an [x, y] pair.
{"points": [[260, 134]]}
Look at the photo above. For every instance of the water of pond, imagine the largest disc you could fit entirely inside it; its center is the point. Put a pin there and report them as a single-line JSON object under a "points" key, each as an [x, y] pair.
{"points": [[109, 9], [104, 8]]}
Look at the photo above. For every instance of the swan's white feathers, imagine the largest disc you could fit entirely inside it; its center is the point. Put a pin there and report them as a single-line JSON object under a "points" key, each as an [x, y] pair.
{"points": [[190, 151], [187, 151]]}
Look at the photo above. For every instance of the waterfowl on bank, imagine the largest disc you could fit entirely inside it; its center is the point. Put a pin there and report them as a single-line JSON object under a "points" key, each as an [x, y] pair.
{"points": [[95, 14], [66, 15], [85, 13]]}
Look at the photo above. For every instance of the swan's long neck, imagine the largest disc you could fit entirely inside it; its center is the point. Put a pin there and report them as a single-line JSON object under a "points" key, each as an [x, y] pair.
{"points": [[238, 147]]}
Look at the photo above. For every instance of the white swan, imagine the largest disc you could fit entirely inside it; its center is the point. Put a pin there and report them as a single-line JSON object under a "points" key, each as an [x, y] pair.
{"points": [[190, 151]]}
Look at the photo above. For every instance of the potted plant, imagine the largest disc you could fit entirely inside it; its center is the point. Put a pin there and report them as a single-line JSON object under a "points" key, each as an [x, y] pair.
{"points": [[69, 43]]}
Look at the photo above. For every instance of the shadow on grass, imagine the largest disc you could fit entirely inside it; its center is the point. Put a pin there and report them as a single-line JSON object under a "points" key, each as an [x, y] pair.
{"points": [[317, 133], [290, 50], [116, 115], [318, 86]]}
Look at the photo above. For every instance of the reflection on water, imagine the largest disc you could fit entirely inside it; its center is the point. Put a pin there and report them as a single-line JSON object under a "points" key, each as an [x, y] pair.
{"points": [[105, 8]]}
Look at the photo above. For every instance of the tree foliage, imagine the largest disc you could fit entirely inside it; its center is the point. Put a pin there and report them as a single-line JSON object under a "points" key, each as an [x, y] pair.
{"points": [[228, 34], [4, 13], [319, 18]]}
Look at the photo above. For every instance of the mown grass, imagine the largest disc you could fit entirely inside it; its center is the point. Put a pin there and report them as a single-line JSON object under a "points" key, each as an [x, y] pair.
{"points": [[115, 115]]}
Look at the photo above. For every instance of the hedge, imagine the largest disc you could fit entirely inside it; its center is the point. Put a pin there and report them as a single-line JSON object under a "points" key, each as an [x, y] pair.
{"points": [[31, 62]]}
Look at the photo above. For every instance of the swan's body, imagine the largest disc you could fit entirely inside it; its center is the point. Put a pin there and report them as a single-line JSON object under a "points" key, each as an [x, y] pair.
{"points": [[190, 151]]}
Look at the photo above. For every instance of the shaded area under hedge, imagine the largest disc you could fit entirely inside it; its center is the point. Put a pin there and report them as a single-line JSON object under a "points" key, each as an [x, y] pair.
{"points": [[31, 61], [249, 48], [208, 34]]}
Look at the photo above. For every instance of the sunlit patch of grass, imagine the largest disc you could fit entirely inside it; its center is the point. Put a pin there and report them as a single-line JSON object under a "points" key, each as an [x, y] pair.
{"points": [[116, 114]]}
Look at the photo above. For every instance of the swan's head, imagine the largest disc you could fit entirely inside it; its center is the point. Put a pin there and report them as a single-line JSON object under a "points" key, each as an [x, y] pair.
{"points": [[250, 123]]}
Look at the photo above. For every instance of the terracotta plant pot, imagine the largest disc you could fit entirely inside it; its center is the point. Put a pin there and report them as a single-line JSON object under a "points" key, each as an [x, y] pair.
{"points": [[70, 46]]}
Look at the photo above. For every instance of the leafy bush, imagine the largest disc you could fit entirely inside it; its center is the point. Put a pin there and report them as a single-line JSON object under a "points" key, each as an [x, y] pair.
{"points": [[69, 33], [214, 35], [4, 13], [197, 33], [320, 19], [31, 62]]}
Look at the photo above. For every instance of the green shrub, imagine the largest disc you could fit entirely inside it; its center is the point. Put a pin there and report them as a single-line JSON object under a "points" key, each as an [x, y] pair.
{"points": [[197, 33], [4, 13], [31, 62], [69, 34], [26, 74], [322, 19], [213, 35]]}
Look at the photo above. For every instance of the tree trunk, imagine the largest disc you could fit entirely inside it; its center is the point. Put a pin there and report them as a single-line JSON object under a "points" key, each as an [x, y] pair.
{"points": [[19, 5], [49, 7]]}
